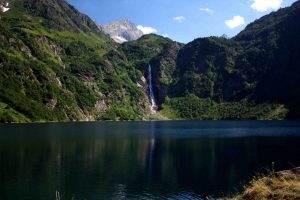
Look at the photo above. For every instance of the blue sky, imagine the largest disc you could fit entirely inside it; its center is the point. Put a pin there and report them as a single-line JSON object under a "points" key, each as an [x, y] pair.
{"points": [[182, 20]]}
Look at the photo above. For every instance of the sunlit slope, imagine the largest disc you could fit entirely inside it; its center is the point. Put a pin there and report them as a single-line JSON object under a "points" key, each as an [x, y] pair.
{"points": [[63, 67]]}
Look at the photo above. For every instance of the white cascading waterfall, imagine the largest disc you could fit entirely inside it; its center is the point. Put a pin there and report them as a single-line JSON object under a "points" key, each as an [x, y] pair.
{"points": [[151, 93]]}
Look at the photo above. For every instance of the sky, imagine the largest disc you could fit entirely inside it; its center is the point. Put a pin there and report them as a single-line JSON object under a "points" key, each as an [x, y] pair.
{"points": [[182, 20]]}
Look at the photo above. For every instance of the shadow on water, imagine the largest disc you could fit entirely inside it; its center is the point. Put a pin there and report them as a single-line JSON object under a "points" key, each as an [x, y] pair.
{"points": [[144, 160]]}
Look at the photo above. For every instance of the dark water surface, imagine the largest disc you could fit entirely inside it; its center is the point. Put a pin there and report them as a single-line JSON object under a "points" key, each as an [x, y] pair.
{"points": [[141, 160]]}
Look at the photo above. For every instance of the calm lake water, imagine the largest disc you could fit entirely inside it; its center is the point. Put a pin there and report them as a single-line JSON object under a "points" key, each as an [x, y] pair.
{"points": [[141, 160]]}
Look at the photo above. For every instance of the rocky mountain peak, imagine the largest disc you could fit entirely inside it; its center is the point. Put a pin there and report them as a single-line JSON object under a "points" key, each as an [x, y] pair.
{"points": [[123, 31]]}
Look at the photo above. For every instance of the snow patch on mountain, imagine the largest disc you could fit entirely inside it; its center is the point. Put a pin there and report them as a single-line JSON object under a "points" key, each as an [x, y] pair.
{"points": [[123, 31]]}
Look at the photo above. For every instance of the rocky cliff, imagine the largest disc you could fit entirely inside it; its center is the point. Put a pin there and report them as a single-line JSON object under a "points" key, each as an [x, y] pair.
{"points": [[122, 31]]}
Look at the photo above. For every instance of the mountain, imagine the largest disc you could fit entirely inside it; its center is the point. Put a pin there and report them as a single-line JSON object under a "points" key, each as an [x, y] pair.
{"points": [[56, 64], [161, 54], [57, 14], [274, 42], [258, 67], [122, 31]]}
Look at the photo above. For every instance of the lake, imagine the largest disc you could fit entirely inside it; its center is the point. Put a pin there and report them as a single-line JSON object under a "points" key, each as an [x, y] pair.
{"points": [[141, 160]]}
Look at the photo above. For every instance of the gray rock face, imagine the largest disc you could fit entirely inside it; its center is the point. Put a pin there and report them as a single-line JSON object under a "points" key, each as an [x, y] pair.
{"points": [[122, 31], [4, 7]]}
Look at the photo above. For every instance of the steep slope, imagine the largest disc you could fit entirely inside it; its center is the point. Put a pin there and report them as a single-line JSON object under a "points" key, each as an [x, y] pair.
{"points": [[271, 46], [122, 31], [160, 53], [206, 68], [57, 14], [260, 65], [56, 65]]}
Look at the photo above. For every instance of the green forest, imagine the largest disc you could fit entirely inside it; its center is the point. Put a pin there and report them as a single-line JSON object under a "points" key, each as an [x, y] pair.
{"points": [[56, 64]]}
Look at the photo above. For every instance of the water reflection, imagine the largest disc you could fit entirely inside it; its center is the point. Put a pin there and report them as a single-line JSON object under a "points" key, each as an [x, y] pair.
{"points": [[151, 146], [140, 160]]}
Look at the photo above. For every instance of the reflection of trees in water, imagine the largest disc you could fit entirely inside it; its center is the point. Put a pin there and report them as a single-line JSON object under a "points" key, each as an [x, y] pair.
{"points": [[87, 165]]}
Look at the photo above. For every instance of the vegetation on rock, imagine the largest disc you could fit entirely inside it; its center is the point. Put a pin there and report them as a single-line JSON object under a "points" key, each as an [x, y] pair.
{"points": [[49, 74], [56, 64]]}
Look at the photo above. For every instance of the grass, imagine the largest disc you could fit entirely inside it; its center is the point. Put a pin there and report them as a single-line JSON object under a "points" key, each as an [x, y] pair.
{"points": [[169, 113], [156, 117], [281, 185], [8, 114]]}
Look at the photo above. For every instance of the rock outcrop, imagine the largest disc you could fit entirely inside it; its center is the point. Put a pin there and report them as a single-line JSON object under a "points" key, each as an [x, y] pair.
{"points": [[122, 31]]}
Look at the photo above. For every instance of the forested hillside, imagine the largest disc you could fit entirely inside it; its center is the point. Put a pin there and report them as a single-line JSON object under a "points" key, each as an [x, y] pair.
{"points": [[260, 66], [56, 64]]}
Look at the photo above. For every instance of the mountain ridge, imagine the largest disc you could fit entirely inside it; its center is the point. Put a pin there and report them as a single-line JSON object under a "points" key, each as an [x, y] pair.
{"points": [[69, 73], [260, 65], [65, 68]]}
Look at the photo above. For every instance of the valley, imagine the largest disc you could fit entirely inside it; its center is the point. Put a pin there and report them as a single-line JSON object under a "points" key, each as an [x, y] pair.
{"points": [[59, 65]]}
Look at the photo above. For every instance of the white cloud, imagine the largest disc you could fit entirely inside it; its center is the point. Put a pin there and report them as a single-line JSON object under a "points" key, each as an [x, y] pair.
{"points": [[265, 5], [166, 35], [179, 19], [207, 10], [146, 30], [235, 22]]}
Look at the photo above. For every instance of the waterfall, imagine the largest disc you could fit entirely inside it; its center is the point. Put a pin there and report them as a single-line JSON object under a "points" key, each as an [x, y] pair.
{"points": [[151, 93]]}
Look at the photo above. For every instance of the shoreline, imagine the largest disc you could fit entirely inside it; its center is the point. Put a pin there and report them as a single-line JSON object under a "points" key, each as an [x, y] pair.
{"points": [[277, 185], [158, 120]]}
